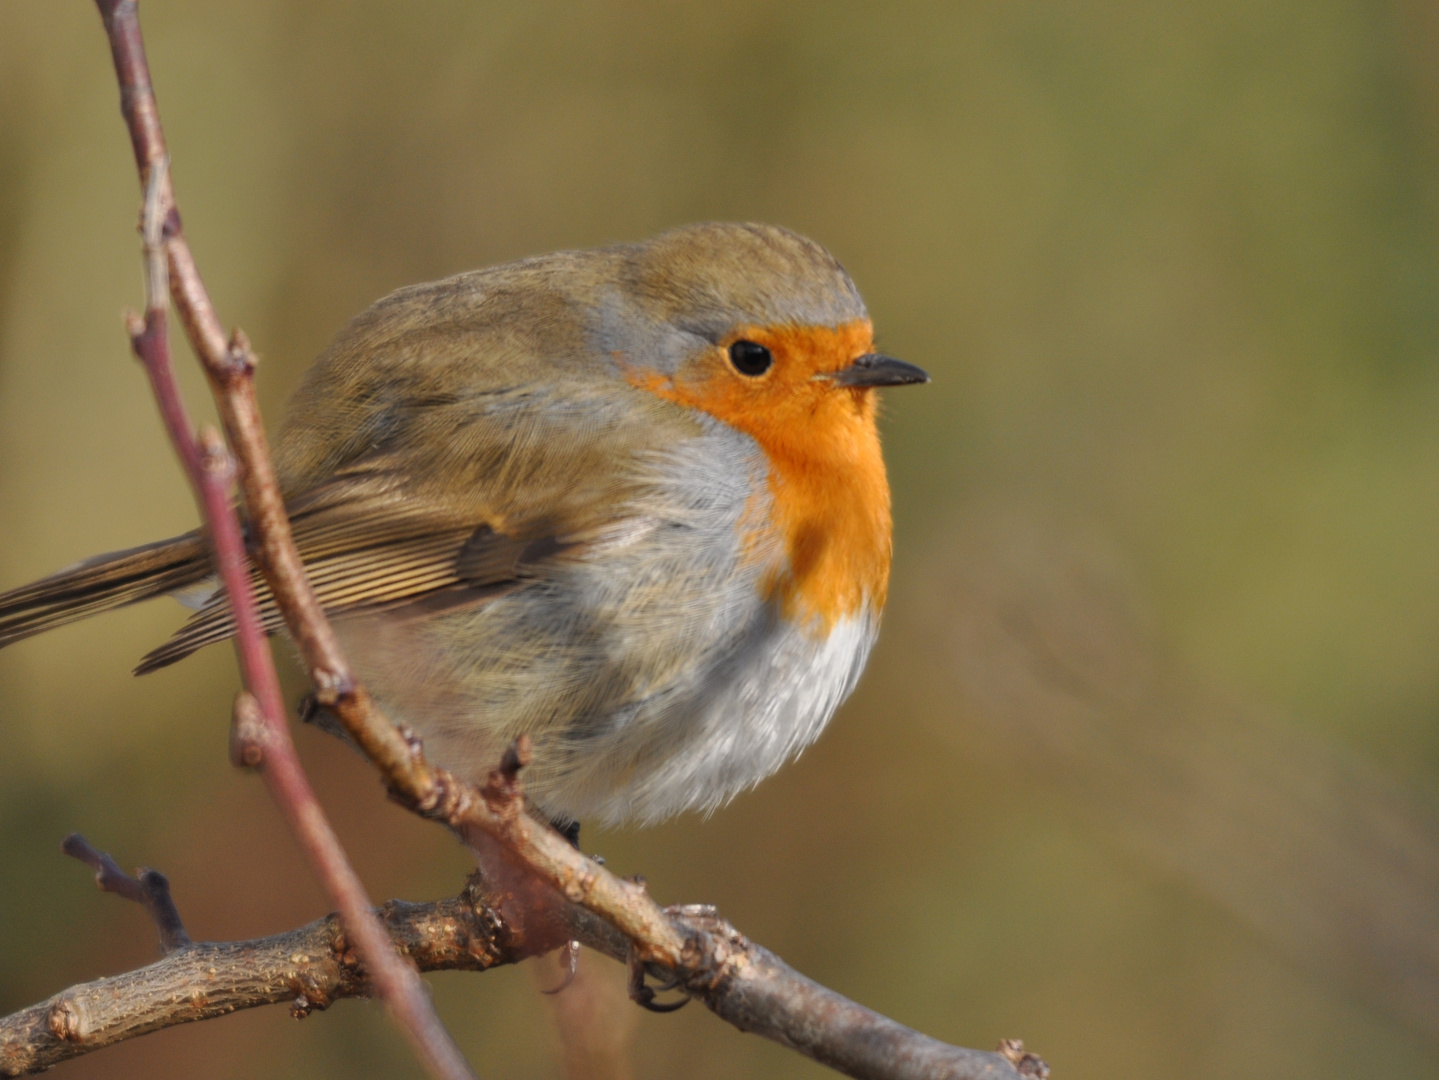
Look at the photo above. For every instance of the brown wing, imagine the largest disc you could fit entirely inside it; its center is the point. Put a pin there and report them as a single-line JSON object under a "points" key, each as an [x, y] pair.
{"points": [[367, 546], [484, 393], [99, 584]]}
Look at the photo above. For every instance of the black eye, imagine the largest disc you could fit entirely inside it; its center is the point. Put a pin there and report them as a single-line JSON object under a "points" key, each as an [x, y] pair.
{"points": [[750, 357]]}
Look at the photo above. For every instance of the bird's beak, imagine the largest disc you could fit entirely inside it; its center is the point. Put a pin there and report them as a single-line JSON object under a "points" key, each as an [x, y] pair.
{"points": [[876, 369]]}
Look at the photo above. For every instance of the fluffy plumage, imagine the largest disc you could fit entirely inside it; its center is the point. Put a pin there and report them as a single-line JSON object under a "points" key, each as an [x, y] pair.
{"points": [[538, 498]]}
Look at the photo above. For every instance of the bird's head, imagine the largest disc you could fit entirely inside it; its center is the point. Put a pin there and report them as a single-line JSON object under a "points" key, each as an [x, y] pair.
{"points": [[754, 325], [762, 329]]}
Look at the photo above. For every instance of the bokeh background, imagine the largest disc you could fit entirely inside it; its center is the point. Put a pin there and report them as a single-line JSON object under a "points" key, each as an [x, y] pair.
{"points": [[1145, 769]]}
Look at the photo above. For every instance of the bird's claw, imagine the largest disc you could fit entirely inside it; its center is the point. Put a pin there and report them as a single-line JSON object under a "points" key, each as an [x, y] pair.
{"points": [[572, 964], [570, 830], [643, 995]]}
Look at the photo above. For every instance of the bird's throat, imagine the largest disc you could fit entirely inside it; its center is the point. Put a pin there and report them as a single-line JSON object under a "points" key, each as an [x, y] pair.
{"points": [[828, 495], [831, 506]]}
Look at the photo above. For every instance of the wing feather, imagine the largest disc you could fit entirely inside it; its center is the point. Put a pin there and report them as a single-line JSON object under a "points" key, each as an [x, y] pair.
{"points": [[366, 547]]}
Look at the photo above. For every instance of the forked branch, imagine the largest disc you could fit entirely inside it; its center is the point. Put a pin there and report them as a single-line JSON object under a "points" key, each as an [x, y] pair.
{"points": [[170, 271], [310, 968], [314, 966], [150, 889]]}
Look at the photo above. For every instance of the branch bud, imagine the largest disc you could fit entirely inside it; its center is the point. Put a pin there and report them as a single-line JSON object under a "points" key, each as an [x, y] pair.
{"points": [[247, 732]]}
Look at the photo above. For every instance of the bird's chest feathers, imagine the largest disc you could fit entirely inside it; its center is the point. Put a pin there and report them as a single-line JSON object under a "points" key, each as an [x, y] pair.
{"points": [[829, 503], [828, 497]]}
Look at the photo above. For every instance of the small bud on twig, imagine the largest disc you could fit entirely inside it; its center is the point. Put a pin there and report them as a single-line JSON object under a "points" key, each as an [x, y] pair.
{"points": [[1025, 1063], [239, 355], [517, 755], [247, 732], [215, 456]]}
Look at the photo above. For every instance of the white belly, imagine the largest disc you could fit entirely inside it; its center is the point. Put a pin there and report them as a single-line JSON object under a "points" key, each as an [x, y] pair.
{"points": [[755, 715]]}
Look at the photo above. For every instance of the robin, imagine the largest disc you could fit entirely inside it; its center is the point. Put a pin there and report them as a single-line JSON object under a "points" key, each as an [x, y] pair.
{"points": [[629, 501]]}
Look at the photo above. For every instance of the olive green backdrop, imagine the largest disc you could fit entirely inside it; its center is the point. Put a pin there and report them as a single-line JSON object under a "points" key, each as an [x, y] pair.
{"points": [[1145, 767]]}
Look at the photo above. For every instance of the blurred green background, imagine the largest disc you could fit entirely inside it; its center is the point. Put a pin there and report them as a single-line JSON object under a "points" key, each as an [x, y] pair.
{"points": [[1145, 769]]}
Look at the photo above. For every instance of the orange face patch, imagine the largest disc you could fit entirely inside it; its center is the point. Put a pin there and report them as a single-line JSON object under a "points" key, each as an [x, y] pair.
{"points": [[827, 479]]}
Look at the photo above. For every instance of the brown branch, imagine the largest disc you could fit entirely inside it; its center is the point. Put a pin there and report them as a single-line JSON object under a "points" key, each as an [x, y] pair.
{"points": [[756, 991], [314, 966], [705, 956], [309, 968], [151, 890], [169, 269]]}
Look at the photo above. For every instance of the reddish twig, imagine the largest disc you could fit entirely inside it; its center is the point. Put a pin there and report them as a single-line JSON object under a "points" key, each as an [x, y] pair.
{"points": [[151, 890], [229, 364], [211, 473], [492, 811]]}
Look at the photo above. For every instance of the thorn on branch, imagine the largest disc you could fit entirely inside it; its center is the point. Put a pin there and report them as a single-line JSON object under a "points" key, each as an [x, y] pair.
{"points": [[151, 890], [135, 327], [148, 335], [1025, 1063]]}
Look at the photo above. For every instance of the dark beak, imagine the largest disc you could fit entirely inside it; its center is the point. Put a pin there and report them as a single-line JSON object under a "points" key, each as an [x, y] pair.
{"points": [[876, 369]]}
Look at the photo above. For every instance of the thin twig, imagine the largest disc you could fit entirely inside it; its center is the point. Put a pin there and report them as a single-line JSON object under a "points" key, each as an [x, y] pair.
{"points": [[151, 890], [211, 473]]}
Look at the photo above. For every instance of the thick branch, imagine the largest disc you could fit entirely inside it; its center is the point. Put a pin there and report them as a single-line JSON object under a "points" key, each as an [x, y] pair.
{"points": [[309, 968], [314, 966], [756, 991]]}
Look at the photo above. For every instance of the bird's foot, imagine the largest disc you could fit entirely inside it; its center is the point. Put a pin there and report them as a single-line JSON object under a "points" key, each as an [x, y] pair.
{"points": [[643, 994], [570, 830], [571, 962]]}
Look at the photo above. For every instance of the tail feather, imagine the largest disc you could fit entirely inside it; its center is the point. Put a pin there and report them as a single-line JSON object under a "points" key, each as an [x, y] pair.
{"points": [[214, 622], [101, 584]]}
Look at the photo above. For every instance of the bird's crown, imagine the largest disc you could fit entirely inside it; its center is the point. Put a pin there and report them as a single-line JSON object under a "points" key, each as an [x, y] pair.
{"points": [[707, 278]]}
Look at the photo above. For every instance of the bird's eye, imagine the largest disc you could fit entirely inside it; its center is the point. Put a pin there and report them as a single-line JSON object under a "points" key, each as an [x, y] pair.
{"points": [[750, 357]]}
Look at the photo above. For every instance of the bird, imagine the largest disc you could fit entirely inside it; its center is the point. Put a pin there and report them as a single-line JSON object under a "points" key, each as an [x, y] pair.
{"points": [[629, 501]]}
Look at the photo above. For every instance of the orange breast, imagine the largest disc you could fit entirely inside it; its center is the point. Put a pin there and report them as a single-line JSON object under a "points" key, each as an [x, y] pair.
{"points": [[830, 495]]}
